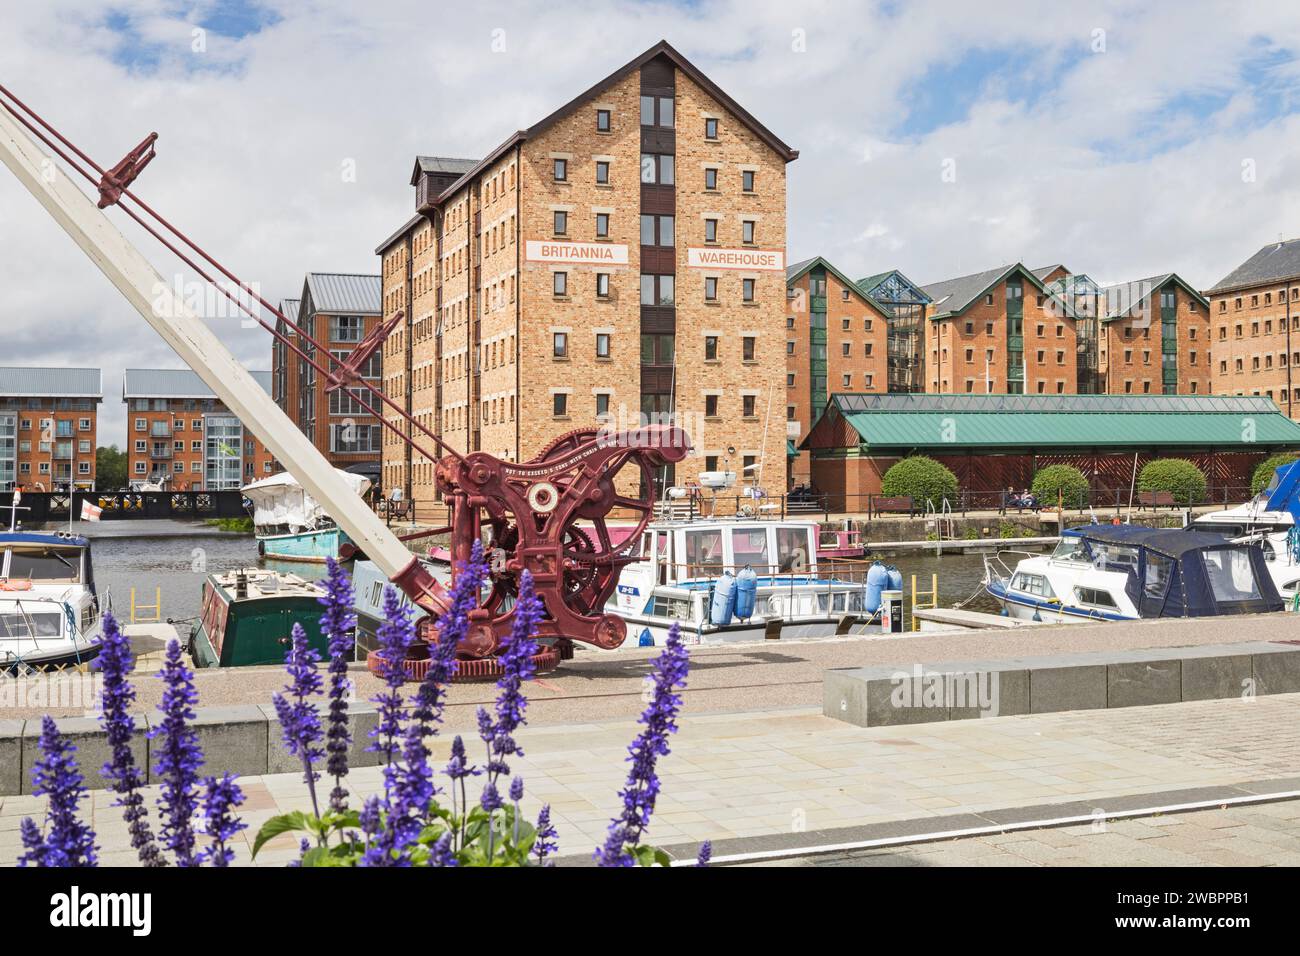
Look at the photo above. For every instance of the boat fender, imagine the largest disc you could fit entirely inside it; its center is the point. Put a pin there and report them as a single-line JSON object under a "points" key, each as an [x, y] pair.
{"points": [[723, 604], [746, 593], [877, 580], [895, 578]]}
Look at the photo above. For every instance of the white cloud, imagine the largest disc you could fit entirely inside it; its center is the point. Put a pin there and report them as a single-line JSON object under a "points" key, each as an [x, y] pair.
{"points": [[1099, 160]]}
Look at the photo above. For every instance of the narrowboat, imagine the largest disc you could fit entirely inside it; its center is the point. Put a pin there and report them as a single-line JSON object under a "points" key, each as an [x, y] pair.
{"points": [[247, 616], [1127, 572], [49, 610], [291, 526]]}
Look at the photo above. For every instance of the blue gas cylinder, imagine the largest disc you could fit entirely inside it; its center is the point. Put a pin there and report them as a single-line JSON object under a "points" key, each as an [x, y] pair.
{"points": [[746, 593], [877, 580], [724, 600]]}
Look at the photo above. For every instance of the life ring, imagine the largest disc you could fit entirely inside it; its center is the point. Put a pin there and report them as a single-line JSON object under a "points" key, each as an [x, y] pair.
{"points": [[19, 585]]}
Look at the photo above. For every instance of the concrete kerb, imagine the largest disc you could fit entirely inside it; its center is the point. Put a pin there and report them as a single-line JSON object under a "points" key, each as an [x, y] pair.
{"points": [[243, 740], [962, 690]]}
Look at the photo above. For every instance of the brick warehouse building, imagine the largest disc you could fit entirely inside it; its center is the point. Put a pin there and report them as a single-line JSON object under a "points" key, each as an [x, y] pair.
{"points": [[1155, 338], [49, 427], [179, 433], [837, 340], [623, 257], [338, 310], [1255, 315]]}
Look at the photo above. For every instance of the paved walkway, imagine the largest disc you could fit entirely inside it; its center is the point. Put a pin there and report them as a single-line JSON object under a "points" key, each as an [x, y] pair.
{"points": [[777, 772], [1266, 834]]}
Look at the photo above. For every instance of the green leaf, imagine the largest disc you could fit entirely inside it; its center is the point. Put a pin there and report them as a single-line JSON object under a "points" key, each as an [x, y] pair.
{"points": [[284, 823]]}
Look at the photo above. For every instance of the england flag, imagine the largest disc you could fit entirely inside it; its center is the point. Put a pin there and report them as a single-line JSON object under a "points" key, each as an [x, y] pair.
{"points": [[90, 512]]}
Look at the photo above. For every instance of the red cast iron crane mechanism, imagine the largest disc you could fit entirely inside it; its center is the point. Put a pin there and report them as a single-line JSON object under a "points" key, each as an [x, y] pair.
{"points": [[548, 516]]}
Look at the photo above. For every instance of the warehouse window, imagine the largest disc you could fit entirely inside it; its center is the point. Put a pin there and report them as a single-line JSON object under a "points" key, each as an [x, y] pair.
{"points": [[747, 232], [602, 285], [747, 290], [560, 345], [711, 179], [602, 225], [710, 230], [560, 283], [559, 404], [602, 121], [710, 289], [602, 173], [602, 345], [710, 348], [657, 111], [657, 168], [561, 222], [561, 170], [710, 129], [747, 181], [710, 406], [748, 346]]}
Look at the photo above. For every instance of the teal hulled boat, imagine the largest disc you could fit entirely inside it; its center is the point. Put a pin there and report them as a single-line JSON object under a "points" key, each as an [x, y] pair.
{"points": [[291, 526], [248, 615]]}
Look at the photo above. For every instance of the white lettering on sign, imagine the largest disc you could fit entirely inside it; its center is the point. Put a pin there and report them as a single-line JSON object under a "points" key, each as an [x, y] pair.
{"points": [[761, 260], [581, 253]]}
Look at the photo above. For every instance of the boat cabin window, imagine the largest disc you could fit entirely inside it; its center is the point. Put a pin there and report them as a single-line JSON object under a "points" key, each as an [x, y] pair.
{"points": [[1072, 548], [792, 549], [749, 547], [1114, 557], [1033, 584], [1159, 572], [703, 551], [45, 564], [42, 624], [1095, 597], [1232, 578], [1219, 528]]}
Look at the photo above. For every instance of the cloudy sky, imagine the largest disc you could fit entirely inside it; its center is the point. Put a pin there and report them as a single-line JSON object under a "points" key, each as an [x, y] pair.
{"points": [[1124, 139]]}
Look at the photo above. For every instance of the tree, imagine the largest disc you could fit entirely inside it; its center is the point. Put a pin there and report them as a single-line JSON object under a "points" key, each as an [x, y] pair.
{"points": [[1066, 480], [110, 468], [1264, 472], [920, 477], [1176, 475]]}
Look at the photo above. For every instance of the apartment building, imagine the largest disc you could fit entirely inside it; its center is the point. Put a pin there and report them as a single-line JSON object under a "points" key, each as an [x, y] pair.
{"points": [[285, 364], [621, 260], [1255, 314], [181, 437], [338, 310], [837, 340], [49, 427], [1155, 338], [906, 304], [1002, 331]]}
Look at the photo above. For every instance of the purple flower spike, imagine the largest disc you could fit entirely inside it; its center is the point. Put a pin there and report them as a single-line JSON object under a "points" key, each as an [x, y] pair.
{"points": [[517, 666], [299, 720], [179, 756], [117, 663], [642, 787], [705, 854], [545, 843], [67, 841], [338, 624], [223, 795]]}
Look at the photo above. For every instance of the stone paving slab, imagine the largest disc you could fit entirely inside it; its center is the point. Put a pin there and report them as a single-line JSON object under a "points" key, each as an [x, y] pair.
{"points": [[771, 774]]}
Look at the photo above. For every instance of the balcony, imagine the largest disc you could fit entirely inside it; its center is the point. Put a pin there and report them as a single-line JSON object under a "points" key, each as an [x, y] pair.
{"points": [[162, 452], [160, 430]]}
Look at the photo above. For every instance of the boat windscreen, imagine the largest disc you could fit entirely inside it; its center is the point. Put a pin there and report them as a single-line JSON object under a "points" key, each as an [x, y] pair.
{"points": [[45, 564], [15, 624], [1231, 575]]}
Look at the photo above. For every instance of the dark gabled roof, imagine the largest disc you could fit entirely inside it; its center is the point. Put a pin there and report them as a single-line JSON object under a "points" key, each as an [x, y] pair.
{"points": [[797, 270], [442, 164], [870, 284], [1123, 297], [954, 296], [33, 381], [1276, 262], [1044, 271], [662, 48]]}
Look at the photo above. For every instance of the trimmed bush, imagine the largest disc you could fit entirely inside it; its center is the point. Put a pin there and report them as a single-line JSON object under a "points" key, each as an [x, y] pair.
{"points": [[1176, 475], [1065, 479], [921, 478], [1264, 473]]}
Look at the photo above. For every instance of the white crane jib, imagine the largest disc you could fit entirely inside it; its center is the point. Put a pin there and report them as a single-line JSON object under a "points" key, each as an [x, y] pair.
{"points": [[155, 300]]}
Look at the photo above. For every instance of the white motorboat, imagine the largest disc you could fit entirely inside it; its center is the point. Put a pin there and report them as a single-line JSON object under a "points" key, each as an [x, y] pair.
{"points": [[49, 611], [1126, 572]]}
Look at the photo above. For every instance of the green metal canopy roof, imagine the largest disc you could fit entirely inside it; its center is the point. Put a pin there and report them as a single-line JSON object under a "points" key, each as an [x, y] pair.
{"points": [[890, 423]]}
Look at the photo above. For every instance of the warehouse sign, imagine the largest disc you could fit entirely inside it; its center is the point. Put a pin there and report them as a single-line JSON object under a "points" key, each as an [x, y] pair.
{"points": [[760, 260], [578, 253]]}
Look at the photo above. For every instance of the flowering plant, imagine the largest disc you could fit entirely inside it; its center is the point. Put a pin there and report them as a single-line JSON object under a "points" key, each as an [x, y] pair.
{"points": [[414, 822]]}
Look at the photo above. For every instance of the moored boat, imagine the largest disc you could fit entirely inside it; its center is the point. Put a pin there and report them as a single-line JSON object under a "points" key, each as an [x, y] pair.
{"points": [[1127, 572], [49, 609], [247, 617], [291, 526]]}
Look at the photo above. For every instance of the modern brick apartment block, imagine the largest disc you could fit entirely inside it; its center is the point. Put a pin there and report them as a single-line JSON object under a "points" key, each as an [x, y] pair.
{"points": [[181, 436], [906, 304], [1000, 332], [48, 427], [837, 340], [1155, 338], [285, 364], [624, 257], [1255, 314], [338, 310]]}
